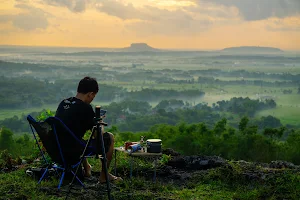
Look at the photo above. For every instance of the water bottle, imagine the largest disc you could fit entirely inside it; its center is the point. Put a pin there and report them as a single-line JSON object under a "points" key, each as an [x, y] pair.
{"points": [[134, 148]]}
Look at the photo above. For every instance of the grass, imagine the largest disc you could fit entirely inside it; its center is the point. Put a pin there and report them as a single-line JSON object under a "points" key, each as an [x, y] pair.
{"points": [[17, 185], [226, 182], [218, 183]]}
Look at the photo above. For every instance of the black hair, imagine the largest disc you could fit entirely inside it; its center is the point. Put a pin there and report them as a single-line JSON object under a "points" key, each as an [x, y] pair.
{"points": [[88, 84]]}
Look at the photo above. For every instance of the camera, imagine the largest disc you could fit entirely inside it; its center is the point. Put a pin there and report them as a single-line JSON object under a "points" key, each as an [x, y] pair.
{"points": [[102, 112], [99, 113]]}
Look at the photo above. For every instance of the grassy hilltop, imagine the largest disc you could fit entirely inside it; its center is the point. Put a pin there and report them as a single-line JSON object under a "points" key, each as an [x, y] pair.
{"points": [[228, 180]]}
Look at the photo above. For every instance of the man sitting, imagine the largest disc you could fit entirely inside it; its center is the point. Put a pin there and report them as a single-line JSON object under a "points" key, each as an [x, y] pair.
{"points": [[77, 114]]}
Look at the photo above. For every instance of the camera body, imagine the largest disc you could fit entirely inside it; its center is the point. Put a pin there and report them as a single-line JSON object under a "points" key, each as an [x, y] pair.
{"points": [[102, 112], [99, 113]]}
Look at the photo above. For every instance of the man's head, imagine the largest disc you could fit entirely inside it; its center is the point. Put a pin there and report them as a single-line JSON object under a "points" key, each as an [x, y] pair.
{"points": [[87, 89]]}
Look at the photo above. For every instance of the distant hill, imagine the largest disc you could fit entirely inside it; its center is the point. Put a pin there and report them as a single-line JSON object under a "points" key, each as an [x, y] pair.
{"points": [[252, 49], [138, 47]]}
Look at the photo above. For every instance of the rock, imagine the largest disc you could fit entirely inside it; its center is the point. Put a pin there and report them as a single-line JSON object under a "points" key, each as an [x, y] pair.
{"points": [[197, 162], [170, 151], [278, 164], [177, 162]]}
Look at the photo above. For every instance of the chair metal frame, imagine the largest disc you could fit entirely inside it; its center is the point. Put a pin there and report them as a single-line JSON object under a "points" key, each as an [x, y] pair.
{"points": [[64, 166]]}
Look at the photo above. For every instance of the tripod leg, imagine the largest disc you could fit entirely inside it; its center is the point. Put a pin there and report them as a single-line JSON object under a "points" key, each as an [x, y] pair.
{"points": [[115, 162], [104, 159], [79, 165]]}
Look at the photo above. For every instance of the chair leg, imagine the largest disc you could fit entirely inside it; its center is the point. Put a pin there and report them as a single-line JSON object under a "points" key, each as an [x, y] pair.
{"points": [[81, 183], [61, 180], [56, 173], [45, 172]]}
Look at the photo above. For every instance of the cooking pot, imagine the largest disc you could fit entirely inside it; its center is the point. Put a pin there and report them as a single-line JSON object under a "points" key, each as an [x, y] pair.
{"points": [[154, 145]]}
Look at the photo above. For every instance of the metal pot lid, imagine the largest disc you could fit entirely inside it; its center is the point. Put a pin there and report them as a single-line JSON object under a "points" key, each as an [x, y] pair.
{"points": [[154, 140]]}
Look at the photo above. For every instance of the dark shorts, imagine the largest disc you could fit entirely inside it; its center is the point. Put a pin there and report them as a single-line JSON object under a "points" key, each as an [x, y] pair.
{"points": [[106, 140], [72, 153]]}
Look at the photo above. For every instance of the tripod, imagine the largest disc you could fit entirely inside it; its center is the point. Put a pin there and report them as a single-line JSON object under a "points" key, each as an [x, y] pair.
{"points": [[100, 150]]}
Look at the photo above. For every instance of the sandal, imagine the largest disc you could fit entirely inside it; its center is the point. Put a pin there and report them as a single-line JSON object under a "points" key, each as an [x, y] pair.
{"points": [[112, 178]]}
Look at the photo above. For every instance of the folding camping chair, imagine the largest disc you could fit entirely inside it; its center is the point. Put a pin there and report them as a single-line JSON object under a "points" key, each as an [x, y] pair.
{"points": [[49, 132]]}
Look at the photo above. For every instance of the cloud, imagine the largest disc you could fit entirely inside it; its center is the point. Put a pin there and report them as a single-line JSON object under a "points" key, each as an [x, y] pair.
{"points": [[5, 18], [188, 16], [73, 5], [122, 11], [33, 18], [252, 10], [286, 24], [169, 27], [150, 20]]}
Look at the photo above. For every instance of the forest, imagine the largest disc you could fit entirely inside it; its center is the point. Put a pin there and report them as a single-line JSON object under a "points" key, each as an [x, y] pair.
{"points": [[28, 92], [135, 116]]}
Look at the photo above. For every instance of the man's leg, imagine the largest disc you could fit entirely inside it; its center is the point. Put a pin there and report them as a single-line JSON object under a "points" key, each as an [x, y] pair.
{"points": [[109, 156], [87, 168]]}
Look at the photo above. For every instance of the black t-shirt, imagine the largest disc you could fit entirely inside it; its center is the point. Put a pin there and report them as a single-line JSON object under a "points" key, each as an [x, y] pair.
{"points": [[78, 116]]}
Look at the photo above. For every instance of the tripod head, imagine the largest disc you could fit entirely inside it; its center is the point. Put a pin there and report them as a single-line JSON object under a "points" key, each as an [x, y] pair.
{"points": [[99, 115], [98, 120]]}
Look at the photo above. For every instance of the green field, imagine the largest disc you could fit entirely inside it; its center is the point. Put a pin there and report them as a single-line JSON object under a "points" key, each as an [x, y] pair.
{"points": [[287, 115], [187, 66], [288, 109], [7, 113]]}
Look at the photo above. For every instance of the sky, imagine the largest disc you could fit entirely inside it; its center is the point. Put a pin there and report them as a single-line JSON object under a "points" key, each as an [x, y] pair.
{"points": [[166, 24]]}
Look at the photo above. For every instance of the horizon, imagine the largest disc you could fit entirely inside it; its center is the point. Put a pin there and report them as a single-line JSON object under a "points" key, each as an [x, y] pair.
{"points": [[176, 49], [167, 24]]}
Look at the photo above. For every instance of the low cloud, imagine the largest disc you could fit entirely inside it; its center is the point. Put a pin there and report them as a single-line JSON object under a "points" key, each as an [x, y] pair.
{"points": [[125, 12], [149, 20], [33, 18], [189, 19], [128, 11], [287, 24], [249, 10], [169, 27], [73, 5], [5, 18], [252, 10]]}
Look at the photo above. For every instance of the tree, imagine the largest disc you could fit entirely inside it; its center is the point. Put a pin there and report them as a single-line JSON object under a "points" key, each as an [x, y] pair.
{"points": [[220, 126], [45, 114], [270, 132], [6, 138], [243, 123], [251, 130], [269, 122], [292, 146], [273, 132]]}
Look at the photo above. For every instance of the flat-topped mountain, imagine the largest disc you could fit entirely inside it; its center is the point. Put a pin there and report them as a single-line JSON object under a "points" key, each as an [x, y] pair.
{"points": [[138, 47], [252, 49]]}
